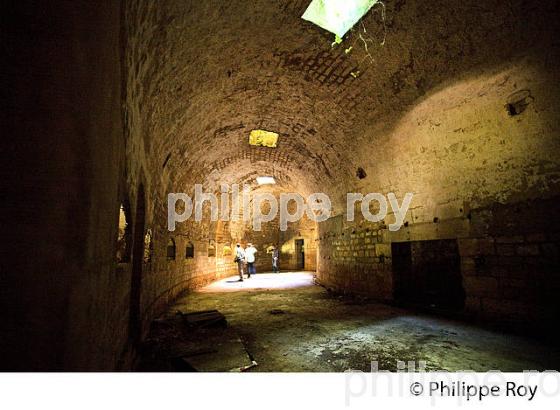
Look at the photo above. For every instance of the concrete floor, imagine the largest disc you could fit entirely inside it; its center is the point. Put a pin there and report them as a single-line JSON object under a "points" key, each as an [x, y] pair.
{"points": [[311, 330]]}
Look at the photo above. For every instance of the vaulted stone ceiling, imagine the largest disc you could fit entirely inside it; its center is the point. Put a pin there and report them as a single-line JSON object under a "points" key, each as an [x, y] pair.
{"points": [[202, 74]]}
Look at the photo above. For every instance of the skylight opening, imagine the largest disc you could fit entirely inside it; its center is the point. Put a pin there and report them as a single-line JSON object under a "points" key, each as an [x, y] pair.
{"points": [[262, 138], [337, 16], [266, 180]]}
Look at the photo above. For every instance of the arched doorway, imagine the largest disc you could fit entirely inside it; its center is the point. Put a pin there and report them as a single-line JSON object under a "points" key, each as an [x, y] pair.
{"points": [[135, 321]]}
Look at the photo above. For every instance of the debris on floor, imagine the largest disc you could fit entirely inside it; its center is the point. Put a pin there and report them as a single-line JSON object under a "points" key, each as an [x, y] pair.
{"points": [[194, 341], [244, 368], [207, 318], [323, 331]]}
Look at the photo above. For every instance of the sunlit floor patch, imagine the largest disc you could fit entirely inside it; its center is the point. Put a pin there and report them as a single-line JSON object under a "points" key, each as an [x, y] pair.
{"points": [[262, 281], [289, 324]]}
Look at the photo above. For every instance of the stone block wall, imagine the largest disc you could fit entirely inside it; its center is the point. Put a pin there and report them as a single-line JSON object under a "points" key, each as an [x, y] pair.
{"points": [[512, 278], [354, 258], [270, 234], [510, 265], [103, 100], [480, 175], [166, 279]]}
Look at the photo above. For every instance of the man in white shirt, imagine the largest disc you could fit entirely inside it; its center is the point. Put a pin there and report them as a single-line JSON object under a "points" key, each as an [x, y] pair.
{"points": [[250, 257], [240, 260]]}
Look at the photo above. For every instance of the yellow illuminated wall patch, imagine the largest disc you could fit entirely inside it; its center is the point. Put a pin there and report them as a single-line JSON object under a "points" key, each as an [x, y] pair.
{"points": [[262, 138]]}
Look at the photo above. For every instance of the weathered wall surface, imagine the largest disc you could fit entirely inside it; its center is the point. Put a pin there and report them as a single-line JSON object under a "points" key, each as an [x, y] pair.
{"points": [[104, 100], [286, 241], [479, 174], [271, 234], [305, 230], [355, 257], [425, 114]]}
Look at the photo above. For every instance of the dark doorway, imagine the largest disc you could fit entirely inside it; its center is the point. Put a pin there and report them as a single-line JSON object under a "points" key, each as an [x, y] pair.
{"points": [[428, 273], [300, 254], [135, 321]]}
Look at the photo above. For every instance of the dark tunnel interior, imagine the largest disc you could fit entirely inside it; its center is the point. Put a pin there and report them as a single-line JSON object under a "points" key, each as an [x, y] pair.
{"points": [[107, 109]]}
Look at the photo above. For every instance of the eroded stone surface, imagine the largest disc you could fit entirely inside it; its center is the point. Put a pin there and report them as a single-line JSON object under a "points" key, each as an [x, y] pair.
{"points": [[459, 106], [321, 332]]}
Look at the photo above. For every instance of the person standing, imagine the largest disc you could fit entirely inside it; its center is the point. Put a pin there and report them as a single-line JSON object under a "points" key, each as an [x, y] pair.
{"points": [[240, 260], [250, 256], [275, 260]]}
